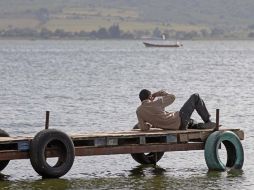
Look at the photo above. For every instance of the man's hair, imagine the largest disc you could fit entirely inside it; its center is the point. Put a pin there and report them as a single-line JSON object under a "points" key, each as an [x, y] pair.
{"points": [[144, 94]]}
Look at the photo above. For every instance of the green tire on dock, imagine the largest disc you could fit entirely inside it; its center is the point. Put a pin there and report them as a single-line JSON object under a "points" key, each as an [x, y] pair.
{"points": [[3, 163], [235, 154], [58, 142]]}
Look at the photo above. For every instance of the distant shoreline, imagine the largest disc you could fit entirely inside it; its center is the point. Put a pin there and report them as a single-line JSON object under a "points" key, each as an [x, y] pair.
{"points": [[118, 39]]}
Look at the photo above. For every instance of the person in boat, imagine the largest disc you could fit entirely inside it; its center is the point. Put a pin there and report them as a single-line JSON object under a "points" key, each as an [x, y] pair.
{"points": [[178, 43], [151, 112]]}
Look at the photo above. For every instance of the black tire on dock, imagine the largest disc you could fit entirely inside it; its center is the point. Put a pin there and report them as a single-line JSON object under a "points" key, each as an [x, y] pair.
{"points": [[233, 145], [3, 163], [60, 142], [150, 158]]}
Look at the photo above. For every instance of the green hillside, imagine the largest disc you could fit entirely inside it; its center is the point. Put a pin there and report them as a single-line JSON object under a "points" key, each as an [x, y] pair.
{"points": [[233, 17]]}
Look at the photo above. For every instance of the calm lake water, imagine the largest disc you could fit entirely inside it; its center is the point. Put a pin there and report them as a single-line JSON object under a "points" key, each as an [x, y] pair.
{"points": [[92, 86]]}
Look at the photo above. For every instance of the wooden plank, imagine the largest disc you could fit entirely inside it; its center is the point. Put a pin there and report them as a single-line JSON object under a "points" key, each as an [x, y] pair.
{"points": [[142, 140], [112, 141], [13, 155], [89, 151], [183, 137], [201, 136], [240, 134], [132, 133], [23, 145], [171, 139], [100, 142], [192, 135], [14, 139], [137, 132]]}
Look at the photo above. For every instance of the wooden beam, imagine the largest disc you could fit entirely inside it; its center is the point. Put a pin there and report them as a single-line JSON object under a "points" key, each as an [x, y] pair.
{"points": [[240, 134], [89, 151], [13, 155], [192, 134]]}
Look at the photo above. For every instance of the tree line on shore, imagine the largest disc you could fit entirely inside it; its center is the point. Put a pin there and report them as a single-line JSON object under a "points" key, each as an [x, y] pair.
{"points": [[114, 32]]}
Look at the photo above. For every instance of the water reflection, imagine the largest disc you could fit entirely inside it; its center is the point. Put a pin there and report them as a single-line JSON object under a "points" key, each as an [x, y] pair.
{"points": [[3, 177], [144, 170], [235, 173], [229, 173], [139, 177], [62, 184]]}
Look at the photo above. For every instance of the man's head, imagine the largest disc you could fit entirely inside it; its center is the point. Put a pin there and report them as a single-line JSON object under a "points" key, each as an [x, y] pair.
{"points": [[144, 95]]}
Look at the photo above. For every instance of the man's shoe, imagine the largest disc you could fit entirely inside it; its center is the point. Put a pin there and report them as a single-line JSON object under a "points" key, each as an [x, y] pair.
{"points": [[209, 125], [197, 126], [192, 123]]}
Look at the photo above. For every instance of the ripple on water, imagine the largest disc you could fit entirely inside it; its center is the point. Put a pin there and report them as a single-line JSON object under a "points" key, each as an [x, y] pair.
{"points": [[93, 86]]}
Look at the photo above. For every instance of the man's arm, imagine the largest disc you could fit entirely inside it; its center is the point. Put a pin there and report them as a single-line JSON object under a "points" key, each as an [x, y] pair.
{"points": [[167, 98], [159, 93], [144, 126]]}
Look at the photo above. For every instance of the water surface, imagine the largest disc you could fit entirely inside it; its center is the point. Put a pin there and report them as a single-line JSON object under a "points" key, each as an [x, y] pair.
{"points": [[93, 86]]}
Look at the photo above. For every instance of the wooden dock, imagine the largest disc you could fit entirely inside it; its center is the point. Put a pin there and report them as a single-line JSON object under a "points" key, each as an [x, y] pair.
{"points": [[145, 147], [124, 142]]}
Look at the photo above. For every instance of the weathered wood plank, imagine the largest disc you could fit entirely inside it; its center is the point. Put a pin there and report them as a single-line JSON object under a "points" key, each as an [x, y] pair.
{"points": [[201, 136], [89, 151], [100, 142], [240, 134], [15, 139], [193, 134], [13, 155], [171, 138], [137, 132], [183, 137], [112, 141]]}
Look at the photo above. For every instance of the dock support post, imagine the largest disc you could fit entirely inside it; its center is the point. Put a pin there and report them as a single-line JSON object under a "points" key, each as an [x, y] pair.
{"points": [[156, 159], [47, 120], [217, 119]]}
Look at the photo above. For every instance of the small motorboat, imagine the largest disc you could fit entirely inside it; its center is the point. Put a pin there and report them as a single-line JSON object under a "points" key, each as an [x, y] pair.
{"points": [[162, 45]]}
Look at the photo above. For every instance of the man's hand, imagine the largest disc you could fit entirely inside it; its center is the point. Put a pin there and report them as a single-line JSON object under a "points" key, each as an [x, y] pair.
{"points": [[145, 127], [159, 93]]}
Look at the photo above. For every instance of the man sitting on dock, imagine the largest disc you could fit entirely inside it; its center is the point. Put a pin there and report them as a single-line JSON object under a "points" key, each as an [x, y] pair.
{"points": [[151, 112]]}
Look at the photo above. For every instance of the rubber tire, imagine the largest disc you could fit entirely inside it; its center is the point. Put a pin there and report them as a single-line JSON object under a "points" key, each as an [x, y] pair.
{"points": [[150, 158], [38, 157], [233, 145], [3, 163]]}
